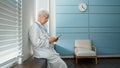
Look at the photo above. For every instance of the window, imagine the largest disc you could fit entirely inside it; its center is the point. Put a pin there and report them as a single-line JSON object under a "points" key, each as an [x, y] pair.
{"points": [[10, 32], [42, 4]]}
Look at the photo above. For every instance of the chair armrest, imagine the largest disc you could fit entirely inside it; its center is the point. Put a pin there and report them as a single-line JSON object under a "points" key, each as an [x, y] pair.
{"points": [[94, 48], [75, 50]]}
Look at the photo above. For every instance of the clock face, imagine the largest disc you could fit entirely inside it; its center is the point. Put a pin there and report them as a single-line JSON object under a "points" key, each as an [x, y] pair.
{"points": [[82, 7]]}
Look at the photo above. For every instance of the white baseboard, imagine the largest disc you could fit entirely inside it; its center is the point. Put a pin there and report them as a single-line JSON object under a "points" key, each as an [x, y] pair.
{"points": [[67, 56], [99, 56]]}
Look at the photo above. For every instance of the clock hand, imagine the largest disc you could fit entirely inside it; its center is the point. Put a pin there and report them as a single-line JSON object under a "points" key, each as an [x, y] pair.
{"points": [[83, 7]]}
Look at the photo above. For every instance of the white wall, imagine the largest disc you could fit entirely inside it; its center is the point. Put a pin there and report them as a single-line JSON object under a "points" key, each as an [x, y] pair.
{"points": [[27, 19]]}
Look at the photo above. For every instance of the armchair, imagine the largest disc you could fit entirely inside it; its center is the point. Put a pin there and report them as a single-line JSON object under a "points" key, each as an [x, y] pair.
{"points": [[84, 49]]}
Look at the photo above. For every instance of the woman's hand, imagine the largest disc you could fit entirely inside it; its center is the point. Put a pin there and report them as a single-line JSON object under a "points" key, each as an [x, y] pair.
{"points": [[53, 39]]}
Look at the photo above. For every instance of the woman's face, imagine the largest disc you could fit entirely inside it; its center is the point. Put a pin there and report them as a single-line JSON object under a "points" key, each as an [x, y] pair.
{"points": [[43, 19]]}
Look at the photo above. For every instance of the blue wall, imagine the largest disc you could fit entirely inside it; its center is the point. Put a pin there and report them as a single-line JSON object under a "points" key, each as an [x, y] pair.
{"points": [[100, 23]]}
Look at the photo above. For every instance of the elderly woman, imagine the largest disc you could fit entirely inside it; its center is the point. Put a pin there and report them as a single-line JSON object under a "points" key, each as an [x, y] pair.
{"points": [[42, 43]]}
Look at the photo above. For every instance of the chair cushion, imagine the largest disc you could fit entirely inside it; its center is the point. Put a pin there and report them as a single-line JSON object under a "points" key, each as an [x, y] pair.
{"points": [[85, 52], [83, 44]]}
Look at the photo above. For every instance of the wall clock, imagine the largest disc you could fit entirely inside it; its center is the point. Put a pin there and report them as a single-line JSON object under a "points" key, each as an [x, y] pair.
{"points": [[82, 7]]}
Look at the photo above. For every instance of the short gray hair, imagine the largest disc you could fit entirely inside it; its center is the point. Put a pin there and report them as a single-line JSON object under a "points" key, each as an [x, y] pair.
{"points": [[43, 12]]}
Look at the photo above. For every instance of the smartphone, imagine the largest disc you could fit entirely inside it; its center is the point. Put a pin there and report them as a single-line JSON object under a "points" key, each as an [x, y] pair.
{"points": [[59, 36]]}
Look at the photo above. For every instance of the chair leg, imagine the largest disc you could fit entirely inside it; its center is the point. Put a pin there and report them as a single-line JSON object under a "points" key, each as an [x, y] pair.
{"points": [[96, 60], [76, 59]]}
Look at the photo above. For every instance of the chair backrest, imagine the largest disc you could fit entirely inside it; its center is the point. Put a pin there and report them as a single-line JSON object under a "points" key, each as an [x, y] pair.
{"points": [[84, 44]]}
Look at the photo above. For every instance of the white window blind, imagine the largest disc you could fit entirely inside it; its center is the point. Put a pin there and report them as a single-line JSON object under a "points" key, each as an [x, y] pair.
{"points": [[10, 32]]}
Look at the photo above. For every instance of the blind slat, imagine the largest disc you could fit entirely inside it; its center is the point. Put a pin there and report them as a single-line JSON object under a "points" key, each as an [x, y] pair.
{"points": [[9, 25], [10, 32], [2, 33], [6, 58], [4, 5], [7, 11], [7, 20], [10, 2], [8, 52], [8, 63], [4, 15], [8, 45]]}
